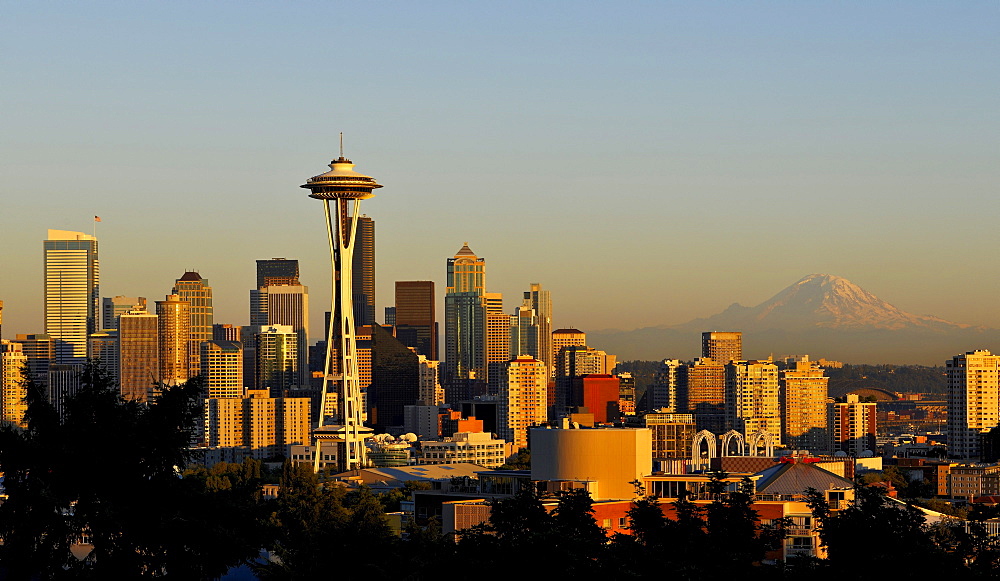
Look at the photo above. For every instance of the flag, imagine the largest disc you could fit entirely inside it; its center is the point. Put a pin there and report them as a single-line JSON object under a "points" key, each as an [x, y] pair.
{"points": [[97, 218]]}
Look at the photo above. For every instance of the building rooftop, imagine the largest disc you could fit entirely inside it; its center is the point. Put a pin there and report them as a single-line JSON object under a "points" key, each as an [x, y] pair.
{"points": [[791, 478]]}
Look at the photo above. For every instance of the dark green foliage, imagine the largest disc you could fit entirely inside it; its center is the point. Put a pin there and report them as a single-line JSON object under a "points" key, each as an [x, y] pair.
{"points": [[519, 461], [110, 470], [312, 525], [875, 530]]}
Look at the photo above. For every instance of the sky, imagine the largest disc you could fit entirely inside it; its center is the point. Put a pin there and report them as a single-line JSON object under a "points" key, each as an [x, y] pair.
{"points": [[647, 162]]}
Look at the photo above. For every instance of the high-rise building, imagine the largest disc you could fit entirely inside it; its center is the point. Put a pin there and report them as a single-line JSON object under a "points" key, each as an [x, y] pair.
{"points": [[705, 394], [415, 320], [803, 394], [71, 292], [40, 349], [667, 392], [113, 307], [852, 426], [63, 382], [289, 305], [345, 188], [138, 355], [364, 272], [225, 332], [722, 346], [277, 272], [973, 401], [104, 351], [524, 331], [390, 316], [431, 392], [522, 399], [1, 319], [599, 393], [395, 381], [541, 302], [752, 403], [465, 316], [566, 338], [194, 289], [13, 365], [276, 358], [497, 340], [173, 325], [222, 368], [575, 361]]}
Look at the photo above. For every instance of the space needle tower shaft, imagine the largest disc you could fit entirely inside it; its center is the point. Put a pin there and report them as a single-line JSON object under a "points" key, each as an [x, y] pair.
{"points": [[341, 190]]}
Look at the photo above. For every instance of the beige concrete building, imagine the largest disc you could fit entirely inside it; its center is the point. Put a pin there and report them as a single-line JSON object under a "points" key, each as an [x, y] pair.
{"points": [[852, 426], [173, 325], [605, 460], [803, 394], [566, 338], [430, 390], [13, 364], [523, 398], [752, 403], [497, 350], [222, 368], [475, 447], [973, 401], [267, 427]]}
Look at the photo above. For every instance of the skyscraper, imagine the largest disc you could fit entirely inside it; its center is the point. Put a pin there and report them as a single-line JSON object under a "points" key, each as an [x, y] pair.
{"points": [[276, 358], [667, 393], [138, 355], [364, 272], [722, 347], [277, 271], [541, 302], [194, 289], [497, 339], [803, 394], [522, 399], [345, 188], [852, 426], [13, 363], [973, 401], [415, 320], [113, 307], [104, 351], [465, 316], [289, 305], [173, 323], [524, 331], [706, 394], [565, 338], [71, 292], [222, 368], [752, 403]]}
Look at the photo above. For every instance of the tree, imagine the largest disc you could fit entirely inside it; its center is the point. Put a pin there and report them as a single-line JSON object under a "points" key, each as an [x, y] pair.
{"points": [[110, 470]]}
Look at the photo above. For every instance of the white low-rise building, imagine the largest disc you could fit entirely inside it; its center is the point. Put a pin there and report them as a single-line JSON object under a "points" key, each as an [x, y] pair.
{"points": [[475, 447]]}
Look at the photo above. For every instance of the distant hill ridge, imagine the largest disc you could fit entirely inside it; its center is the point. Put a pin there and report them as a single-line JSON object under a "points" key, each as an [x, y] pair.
{"points": [[821, 314]]}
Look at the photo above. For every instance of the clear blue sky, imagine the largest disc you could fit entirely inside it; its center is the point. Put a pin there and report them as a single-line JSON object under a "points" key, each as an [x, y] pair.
{"points": [[647, 162]]}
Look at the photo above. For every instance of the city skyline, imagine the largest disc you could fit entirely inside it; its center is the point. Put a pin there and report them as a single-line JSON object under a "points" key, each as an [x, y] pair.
{"points": [[869, 154]]}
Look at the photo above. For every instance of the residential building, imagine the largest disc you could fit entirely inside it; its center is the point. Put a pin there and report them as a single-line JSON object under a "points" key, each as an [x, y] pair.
{"points": [[13, 387], [668, 390], [566, 338], [973, 401], [752, 403], [522, 399], [267, 427], [431, 392], [222, 369], [276, 358], [71, 292], [803, 395], [852, 426], [706, 394], [104, 350]]}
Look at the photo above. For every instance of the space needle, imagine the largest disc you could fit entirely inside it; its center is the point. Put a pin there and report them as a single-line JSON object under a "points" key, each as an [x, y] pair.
{"points": [[345, 188]]}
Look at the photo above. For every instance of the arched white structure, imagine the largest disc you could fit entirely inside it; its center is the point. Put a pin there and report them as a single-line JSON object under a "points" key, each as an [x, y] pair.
{"points": [[697, 462], [761, 438], [728, 437]]}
